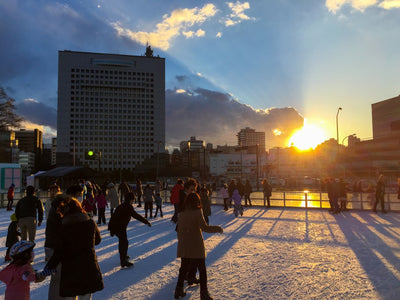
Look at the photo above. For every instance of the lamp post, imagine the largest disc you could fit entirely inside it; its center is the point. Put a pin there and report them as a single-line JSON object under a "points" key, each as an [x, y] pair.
{"points": [[347, 137], [337, 125]]}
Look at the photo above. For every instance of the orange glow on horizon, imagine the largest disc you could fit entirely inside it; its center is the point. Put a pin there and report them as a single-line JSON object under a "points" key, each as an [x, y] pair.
{"points": [[308, 137]]}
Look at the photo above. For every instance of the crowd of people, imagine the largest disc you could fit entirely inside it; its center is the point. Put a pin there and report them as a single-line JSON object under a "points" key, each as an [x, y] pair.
{"points": [[71, 235], [71, 232]]}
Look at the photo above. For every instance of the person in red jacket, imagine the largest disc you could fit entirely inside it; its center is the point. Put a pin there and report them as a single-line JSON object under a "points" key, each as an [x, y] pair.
{"points": [[175, 198], [10, 196]]}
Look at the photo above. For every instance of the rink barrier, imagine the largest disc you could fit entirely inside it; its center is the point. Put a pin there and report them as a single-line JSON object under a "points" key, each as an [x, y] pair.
{"points": [[305, 199]]}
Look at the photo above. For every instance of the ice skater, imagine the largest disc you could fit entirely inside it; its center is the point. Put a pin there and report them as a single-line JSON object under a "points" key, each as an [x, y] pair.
{"points": [[237, 200], [119, 222]]}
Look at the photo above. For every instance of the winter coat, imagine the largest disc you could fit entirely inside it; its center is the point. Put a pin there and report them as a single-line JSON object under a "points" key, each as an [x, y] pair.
{"points": [[53, 229], [112, 197], [191, 224], [237, 199], [205, 202], [148, 195], [267, 189], [80, 272], [121, 217], [12, 234], [175, 193], [89, 203], [101, 201], [10, 193], [224, 193], [380, 189], [17, 288], [247, 189], [28, 207], [158, 201]]}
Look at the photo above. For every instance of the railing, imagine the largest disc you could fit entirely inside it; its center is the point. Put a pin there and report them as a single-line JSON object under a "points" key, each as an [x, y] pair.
{"points": [[358, 201]]}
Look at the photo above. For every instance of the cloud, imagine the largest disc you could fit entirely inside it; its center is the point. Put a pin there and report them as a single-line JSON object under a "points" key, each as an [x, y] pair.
{"points": [[172, 26], [36, 112], [389, 4], [237, 15], [217, 117], [361, 5]]}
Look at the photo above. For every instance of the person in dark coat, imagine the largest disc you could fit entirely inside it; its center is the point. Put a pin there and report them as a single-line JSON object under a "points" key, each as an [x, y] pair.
{"points": [[119, 222], [26, 210], [12, 236], [247, 191], [231, 188], [380, 194], [80, 272], [205, 202], [267, 190], [52, 242]]}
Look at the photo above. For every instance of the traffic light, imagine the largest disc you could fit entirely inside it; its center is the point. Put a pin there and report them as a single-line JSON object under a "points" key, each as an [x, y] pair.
{"points": [[89, 155]]}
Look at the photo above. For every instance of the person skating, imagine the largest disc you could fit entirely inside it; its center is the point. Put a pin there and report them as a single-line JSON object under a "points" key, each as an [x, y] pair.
{"points": [[26, 210], [119, 222], [10, 196], [191, 247], [19, 273], [80, 272], [380, 194], [12, 236]]}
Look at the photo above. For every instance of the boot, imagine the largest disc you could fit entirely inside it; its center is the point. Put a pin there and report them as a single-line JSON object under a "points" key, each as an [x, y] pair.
{"points": [[192, 281], [179, 292], [204, 295], [126, 263]]}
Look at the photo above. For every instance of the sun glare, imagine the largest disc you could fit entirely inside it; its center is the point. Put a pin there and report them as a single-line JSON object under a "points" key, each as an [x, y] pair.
{"points": [[308, 137]]}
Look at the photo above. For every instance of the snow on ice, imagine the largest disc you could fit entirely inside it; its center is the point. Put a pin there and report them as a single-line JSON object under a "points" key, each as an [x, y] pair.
{"points": [[266, 254]]}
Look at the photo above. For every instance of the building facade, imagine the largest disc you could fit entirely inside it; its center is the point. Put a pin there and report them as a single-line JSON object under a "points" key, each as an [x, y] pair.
{"points": [[386, 117], [249, 137], [113, 105]]}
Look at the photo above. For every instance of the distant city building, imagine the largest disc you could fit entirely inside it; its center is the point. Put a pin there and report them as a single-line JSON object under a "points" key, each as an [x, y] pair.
{"points": [[110, 103], [194, 153], [386, 117], [31, 141], [53, 151], [8, 147], [27, 162], [249, 137]]}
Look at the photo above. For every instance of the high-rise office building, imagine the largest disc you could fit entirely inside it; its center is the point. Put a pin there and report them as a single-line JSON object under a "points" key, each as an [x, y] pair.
{"points": [[110, 104], [31, 141], [249, 137], [386, 117]]}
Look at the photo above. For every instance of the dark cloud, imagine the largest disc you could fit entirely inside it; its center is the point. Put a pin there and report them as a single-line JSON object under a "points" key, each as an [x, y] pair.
{"points": [[216, 117], [38, 113], [181, 78]]}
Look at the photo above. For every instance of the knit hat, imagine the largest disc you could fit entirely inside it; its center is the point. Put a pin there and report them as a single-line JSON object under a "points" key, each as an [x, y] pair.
{"points": [[13, 217], [20, 247]]}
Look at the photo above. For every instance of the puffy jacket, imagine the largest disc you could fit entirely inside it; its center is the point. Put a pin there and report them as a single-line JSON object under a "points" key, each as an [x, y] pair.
{"points": [[175, 193], [28, 207]]}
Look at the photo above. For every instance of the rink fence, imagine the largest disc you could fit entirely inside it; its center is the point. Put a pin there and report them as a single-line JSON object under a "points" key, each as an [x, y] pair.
{"points": [[305, 199]]}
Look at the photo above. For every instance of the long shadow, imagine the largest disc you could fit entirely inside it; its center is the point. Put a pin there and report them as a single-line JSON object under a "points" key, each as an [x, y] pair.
{"points": [[218, 251], [367, 245]]}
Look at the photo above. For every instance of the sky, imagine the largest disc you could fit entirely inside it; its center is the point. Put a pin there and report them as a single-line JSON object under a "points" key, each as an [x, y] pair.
{"points": [[267, 65]]}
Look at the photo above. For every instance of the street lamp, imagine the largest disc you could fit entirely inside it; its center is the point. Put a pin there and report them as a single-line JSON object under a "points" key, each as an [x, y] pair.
{"points": [[347, 137], [337, 125]]}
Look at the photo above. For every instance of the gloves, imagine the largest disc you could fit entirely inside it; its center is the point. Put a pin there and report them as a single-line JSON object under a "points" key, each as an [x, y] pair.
{"points": [[46, 272]]}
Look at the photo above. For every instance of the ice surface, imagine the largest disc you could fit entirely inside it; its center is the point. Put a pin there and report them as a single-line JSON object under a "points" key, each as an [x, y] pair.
{"points": [[266, 254]]}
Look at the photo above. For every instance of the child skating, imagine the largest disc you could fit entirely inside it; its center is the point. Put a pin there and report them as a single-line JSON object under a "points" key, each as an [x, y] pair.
{"points": [[19, 273], [237, 199]]}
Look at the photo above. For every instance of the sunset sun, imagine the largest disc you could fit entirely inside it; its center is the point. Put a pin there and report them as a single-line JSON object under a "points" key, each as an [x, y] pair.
{"points": [[308, 137]]}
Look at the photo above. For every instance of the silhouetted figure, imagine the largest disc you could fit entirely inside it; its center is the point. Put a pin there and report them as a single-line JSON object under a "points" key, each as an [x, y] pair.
{"points": [[380, 194]]}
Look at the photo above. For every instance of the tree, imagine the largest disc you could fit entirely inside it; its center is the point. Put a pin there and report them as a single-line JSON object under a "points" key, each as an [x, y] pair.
{"points": [[8, 117]]}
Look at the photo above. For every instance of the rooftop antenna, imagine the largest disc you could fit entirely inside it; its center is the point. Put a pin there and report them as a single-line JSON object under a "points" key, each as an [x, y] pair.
{"points": [[149, 52]]}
